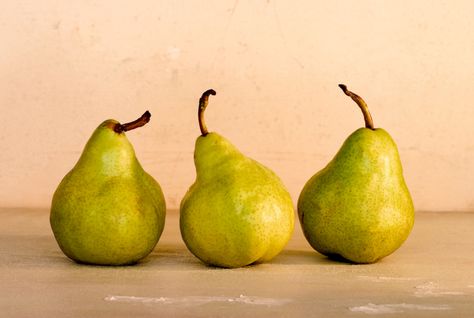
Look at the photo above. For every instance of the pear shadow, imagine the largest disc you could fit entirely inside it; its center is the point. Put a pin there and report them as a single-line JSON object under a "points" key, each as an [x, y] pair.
{"points": [[81, 263], [168, 255], [339, 258], [308, 257], [304, 257], [42, 251], [179, 257]]}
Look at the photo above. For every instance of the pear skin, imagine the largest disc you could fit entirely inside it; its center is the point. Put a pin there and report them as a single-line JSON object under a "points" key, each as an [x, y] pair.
{"points": [[107, 210], [358, 208], [237, 212]]}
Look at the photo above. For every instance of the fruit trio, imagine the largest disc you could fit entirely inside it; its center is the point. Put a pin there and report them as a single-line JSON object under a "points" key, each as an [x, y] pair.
{"points": [[107, 210]]}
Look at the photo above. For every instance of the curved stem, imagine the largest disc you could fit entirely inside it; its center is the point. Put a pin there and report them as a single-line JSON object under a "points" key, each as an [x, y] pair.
{"points": [[203, 101], [145, 118], [363, 106]]}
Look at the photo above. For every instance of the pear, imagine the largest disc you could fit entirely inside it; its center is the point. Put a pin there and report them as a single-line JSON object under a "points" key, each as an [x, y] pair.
{"points": [[358, 208], [237, 212], [107, 210]]}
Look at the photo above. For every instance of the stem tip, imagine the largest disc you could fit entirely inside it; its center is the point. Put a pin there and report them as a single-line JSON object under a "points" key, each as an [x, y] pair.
{"points": [[344, 88]]}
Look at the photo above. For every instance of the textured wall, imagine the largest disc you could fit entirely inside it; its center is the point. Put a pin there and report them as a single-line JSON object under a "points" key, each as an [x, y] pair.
{"points": [[65, 67]]}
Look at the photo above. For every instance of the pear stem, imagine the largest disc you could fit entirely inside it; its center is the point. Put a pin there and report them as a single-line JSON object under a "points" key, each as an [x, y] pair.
{"points": [[363, 106], [203, 101], [145, 118]]}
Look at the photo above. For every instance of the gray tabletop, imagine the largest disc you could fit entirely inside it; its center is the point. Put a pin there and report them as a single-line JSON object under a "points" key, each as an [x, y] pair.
{"points": [[431, 275]]}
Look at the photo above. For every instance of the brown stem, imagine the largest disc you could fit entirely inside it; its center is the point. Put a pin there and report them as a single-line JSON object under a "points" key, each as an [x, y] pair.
{"points": [[145, 118], [203, 101], [363, 106]]}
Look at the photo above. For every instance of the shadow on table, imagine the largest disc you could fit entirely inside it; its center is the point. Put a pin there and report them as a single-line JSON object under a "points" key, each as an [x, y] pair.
{"points": [[42, 251], [174, 256], [178, 256], [303, 257]]}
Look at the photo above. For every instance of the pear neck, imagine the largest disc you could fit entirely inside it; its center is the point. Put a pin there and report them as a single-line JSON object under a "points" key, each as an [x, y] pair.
{"points": [[213, 154], [368, 152], [108, 154]]}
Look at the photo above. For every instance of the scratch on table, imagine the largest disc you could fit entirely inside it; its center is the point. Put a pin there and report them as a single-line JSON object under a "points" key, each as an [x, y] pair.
{"points": [[431, 289], [200, 300], [374, 309], [381, 279]]}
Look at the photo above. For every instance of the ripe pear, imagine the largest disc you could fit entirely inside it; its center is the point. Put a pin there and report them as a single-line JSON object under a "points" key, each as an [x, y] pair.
{"points": [[238, 211], [107, 210], [358, 208]]}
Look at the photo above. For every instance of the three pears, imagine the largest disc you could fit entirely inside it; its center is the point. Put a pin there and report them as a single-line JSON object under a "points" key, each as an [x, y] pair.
{"points": [[237, 212], [358, 208], [107, 210]]}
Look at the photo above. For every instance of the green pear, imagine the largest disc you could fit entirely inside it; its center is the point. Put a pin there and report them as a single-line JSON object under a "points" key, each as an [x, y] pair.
{"points": [[237, 212], [107, 210], [358, 208]]}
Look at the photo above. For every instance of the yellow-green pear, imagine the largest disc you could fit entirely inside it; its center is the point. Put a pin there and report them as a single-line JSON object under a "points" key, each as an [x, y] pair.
{"points": [[237, 212], [358, 208], [107, 210]]}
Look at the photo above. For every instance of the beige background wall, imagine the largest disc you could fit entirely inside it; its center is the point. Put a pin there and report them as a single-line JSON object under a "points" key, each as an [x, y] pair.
{"points": [[65, 67]]}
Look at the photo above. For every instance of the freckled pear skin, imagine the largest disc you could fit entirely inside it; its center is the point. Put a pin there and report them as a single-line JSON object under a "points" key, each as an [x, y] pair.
{"points": [[107, 210], [237, 212], [358, 208]]}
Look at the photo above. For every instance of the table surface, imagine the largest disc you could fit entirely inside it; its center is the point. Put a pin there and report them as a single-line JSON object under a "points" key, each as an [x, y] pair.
{"points": [[431, 275]]}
